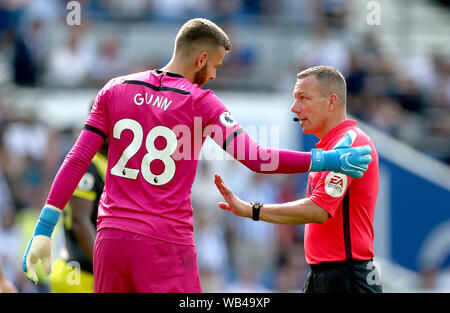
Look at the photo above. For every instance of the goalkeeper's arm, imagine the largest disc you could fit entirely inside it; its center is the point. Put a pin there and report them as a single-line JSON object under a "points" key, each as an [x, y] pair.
{"points": [[343, 158], [69, 175]]}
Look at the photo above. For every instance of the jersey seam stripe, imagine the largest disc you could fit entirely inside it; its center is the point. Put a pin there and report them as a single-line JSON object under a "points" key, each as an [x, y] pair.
{"points": [[230, 138], [95, 130], [156, 88], [346, 225]]}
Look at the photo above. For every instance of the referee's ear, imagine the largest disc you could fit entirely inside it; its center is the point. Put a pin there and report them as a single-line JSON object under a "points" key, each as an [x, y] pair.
{"points": [[333, 102]]}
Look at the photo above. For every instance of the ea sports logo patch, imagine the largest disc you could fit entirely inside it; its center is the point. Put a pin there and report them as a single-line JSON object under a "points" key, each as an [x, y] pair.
{"points": [[227, 120], [335, 184]]}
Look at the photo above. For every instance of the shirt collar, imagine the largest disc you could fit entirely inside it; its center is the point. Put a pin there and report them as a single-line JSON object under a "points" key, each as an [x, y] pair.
{"points": [[168, 73], [328, 137]]}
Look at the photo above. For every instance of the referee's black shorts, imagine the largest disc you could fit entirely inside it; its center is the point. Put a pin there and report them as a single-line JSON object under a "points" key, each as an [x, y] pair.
{"points": [[350, 276]]}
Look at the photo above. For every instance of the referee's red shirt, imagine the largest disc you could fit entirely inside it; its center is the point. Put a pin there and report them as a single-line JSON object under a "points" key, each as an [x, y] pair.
{"points": [[348, 232]]}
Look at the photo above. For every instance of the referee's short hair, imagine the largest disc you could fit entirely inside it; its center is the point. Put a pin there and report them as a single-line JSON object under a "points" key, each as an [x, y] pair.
{"points": [[200, 33], [330, 79]]}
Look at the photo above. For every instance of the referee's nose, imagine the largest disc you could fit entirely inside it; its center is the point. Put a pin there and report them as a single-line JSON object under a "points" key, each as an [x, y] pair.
{"points": [[296, 108]]}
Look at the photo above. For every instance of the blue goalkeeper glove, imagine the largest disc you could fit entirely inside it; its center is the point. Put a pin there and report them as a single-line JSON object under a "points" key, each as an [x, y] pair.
{"points": [[351, 161], [40, 246]]}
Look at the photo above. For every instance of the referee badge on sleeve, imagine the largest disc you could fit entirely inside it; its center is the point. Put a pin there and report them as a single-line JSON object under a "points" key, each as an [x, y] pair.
{"points": [[335, 184]]}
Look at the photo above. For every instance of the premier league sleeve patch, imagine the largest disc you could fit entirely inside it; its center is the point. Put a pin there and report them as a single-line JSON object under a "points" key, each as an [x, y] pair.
{"points": [[335, 184], [227, 120], [87, 182]]}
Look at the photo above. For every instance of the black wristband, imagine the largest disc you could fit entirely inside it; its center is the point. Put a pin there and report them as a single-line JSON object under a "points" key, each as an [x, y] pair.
{"points": [[256, 208]]}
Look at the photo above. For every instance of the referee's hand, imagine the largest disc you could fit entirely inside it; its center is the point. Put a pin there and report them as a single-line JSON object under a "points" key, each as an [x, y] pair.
{"points": [[233, 203]]}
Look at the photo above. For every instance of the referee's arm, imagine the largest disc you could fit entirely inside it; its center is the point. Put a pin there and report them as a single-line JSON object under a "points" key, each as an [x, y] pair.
{"points": [[297, 212]]}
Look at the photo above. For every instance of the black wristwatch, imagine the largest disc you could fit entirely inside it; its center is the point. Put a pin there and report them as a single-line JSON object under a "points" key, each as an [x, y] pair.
{"points": [[256, 208]]}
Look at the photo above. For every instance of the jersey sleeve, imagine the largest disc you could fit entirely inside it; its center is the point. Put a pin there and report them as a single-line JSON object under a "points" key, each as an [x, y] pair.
{"points": [[330, 191], [98, 117], [230, 135], [217, 121], [73, 168]]}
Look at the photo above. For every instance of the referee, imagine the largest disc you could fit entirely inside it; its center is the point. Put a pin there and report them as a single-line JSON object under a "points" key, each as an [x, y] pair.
{"points": [[338, 210]]}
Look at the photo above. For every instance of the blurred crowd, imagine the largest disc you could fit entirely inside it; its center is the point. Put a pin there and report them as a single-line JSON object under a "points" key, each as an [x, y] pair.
{"points": [[408, 98], [27, 33]]}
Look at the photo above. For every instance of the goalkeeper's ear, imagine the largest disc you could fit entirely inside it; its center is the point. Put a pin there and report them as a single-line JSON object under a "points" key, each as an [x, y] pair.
{"points": [[347, 140]]}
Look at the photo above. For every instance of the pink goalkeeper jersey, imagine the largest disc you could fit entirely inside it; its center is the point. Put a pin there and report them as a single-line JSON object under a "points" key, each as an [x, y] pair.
{"points": [[156, 123]]}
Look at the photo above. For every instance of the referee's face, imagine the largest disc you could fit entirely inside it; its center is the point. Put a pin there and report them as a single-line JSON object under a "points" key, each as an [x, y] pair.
{"points": [[310, 106]]}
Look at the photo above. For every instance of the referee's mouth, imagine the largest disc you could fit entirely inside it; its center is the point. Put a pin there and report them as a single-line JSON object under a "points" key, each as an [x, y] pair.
{"points": [[301, 120]]}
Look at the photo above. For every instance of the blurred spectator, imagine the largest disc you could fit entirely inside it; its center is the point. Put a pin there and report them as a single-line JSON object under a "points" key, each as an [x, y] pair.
{"points": [[356, 76], [31, 40], [6, 202], [324, 49], [6, 286], [223, 11], [108, 63], [43, 10], [212, 252], [37, 42], [5, 194], [293, 269], [297, 12], [204, 194], [25, 70], [291, 264], [409, 95], [128, 9], [288, 235], [252, 240], [370, 45], [248, 280], [441, 91], [26, 144], [10, 12], [384, 113], [180, 10], [334, 12], [209, 235], [433, 259], [10, 246], [70, 64], [25, 138], [238, 65]]}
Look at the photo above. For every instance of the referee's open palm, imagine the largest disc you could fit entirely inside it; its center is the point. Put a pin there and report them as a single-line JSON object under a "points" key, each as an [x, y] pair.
{"points": [[233, 203]]}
